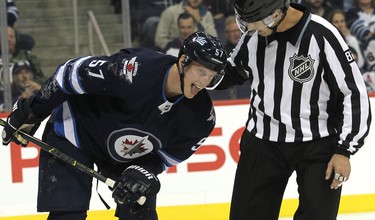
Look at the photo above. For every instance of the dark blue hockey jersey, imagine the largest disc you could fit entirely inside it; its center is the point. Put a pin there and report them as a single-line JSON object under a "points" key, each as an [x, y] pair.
{"points": [[116, 108]]}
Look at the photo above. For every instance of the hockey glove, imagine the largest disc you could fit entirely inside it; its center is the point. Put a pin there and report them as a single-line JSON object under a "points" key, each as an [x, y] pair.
{"points": [[135, 182], [20, 119]]}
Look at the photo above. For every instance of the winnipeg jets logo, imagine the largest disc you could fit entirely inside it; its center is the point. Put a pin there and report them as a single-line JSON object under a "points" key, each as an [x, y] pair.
{"points": [[301, 68], [130, 147], [130, 69], [127, 144]]}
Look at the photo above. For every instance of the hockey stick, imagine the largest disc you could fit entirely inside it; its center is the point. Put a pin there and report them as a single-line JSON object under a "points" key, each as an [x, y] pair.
{"points": [[55, 152]]}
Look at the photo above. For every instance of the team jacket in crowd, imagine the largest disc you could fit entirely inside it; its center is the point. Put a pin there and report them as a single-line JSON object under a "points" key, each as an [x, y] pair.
{"points": [[115, 108], [305, 85]]}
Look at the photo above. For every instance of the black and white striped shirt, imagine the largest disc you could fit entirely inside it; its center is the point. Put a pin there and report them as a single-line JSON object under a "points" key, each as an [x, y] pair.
{"points": [[305, 85]]}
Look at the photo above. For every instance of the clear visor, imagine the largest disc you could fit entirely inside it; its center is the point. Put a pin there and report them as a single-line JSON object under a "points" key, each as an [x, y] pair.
{"points": [[215, 81], [249, 28], [243, 25]]}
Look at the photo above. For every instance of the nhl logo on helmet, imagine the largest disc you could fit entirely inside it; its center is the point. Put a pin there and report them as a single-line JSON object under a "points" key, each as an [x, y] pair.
{"points": [[202, 41]]}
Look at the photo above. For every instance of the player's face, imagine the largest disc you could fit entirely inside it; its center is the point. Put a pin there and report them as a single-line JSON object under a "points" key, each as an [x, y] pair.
{"points": [[196, 78]]}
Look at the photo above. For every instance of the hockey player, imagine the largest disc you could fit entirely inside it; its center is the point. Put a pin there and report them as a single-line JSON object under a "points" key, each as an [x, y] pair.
{"points": [[309, 110], [133, 114]]}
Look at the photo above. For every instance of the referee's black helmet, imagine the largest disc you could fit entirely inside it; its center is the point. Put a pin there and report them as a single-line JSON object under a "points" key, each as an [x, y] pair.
{"points": [[256, 10]]}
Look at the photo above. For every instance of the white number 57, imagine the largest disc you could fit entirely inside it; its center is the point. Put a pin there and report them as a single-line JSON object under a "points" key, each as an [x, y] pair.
{"points": [[95, 63]]}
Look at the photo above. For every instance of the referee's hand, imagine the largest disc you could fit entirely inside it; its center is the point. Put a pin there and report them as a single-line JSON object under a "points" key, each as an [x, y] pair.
{"points": [[339, 168]]}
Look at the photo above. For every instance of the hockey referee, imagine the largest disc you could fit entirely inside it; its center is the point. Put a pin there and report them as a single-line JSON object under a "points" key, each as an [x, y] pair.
{"points": [[309, 110]]}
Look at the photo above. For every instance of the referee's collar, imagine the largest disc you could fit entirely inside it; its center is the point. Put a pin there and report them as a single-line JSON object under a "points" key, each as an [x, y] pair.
{"points": [[295, 33]]}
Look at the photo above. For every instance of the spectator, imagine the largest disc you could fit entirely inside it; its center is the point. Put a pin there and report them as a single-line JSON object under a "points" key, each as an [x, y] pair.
{"points": [[23, 81], [337, 4], [25, 41], [319, 7], [369, 78], [361, 22], [368, 74], [360, 19], [144, 18], [167, 26], [232, 35], [16, 54], [23, 85], [347, 4], [186, 26], [337, 18], [219, 10], [12, 13], [148, 16]]}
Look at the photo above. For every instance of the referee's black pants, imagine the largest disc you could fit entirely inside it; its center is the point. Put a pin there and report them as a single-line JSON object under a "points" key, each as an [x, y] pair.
{"points": [[262, 175]]}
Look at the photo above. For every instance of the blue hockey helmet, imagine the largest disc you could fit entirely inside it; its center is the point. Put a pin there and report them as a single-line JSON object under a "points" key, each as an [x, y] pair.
{"points": [[207, 51]]}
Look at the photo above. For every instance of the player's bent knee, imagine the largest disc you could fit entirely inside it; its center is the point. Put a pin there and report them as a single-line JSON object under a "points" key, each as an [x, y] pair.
{"points": [[74, 215]]}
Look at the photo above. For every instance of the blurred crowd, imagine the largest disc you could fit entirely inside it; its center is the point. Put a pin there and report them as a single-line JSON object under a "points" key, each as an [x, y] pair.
{"points": [[355, 19], [26, 74], [163, 25]]}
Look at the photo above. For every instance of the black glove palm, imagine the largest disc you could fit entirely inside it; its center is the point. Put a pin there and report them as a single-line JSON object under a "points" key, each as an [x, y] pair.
{"points": [[135, 182], [20, 119]]}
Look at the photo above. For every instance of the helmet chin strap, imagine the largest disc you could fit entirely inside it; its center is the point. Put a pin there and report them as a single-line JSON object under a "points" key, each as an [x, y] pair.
{"points": [[182, 74]]}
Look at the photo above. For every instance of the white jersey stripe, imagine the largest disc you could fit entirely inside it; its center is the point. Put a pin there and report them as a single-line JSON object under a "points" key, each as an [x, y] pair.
{"points": [[168, 159], [59, 76], [74, 78], [69, 128]]}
